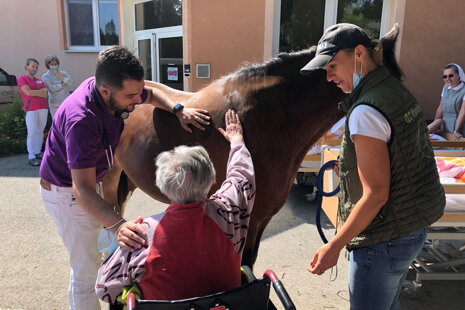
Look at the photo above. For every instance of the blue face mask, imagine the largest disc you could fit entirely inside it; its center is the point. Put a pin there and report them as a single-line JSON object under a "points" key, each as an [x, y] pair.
{"points": [[357, 77], [107, 241], [31, 72], [53, 68]]}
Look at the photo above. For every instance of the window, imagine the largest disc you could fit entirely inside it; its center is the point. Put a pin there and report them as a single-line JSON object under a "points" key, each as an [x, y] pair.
{"points": [[3, 79], [364, 13], [158, 14], [302, 22], [92, 24]]}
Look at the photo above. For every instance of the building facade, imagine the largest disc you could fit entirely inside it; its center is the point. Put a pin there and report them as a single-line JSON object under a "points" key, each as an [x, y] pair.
{"points": [[188, 43]]}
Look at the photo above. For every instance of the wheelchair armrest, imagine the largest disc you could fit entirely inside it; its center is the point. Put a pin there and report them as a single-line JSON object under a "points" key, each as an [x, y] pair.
{"points": [[280, 290], [131, 301]]}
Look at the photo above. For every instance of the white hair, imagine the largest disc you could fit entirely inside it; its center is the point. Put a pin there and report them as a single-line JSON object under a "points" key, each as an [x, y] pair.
{"points": [[184, 174]]}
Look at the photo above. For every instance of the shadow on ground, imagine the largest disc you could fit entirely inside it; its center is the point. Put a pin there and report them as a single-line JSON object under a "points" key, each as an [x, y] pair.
{"points": [[17, 166], [300, 208]]}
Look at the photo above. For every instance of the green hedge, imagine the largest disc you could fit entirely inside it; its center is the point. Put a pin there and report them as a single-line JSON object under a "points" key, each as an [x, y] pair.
{"points": [[13, 130]]}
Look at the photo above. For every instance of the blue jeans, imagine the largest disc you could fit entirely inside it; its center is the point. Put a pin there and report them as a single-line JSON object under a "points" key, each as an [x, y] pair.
{"points": [[376, 273]]}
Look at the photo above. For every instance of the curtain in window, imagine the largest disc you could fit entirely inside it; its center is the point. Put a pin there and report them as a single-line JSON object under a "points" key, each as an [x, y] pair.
{"points": [[81, 24]]}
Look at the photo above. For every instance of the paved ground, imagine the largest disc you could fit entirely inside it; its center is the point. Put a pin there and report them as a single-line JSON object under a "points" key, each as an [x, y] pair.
{"points": [[34, 271]]}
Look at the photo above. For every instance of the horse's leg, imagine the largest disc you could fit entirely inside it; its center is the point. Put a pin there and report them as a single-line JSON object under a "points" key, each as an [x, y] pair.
{"points": [[110, 187], [125, 189], [117, 188]]}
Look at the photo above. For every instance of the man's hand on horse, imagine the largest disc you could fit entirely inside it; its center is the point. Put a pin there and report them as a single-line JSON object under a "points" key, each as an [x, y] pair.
{"points": [[129, 235], [233, 130], [193, 116]]}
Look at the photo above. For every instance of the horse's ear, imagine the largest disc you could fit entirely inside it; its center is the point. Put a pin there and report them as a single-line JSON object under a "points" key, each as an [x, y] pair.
{"points": [[389, 40]]}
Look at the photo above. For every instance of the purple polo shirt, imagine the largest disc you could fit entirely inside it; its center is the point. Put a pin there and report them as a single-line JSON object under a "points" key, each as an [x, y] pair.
{"points": [[77, 137]]}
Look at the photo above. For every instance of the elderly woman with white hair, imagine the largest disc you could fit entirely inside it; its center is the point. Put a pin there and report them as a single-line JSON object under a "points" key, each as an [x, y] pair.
{"points": [[450, 115], [58, 83], [194, 248]]}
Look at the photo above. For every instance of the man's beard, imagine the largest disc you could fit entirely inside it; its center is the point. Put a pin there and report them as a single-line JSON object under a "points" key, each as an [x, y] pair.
{"points": [[114, 106]]}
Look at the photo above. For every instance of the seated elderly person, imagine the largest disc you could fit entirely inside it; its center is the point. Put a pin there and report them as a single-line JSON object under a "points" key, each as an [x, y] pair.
{"points": [[194, 248]]}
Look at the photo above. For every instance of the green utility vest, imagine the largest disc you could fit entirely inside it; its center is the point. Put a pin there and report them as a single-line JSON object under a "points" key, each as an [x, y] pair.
{"points": [[416, 197]]}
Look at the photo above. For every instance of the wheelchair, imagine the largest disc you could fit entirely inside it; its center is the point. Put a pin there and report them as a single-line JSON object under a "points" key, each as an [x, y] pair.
{"points": [[253, 295]]}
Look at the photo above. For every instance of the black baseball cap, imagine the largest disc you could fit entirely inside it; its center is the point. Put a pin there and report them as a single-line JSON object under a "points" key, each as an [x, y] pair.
{"points": [[336, 38]]}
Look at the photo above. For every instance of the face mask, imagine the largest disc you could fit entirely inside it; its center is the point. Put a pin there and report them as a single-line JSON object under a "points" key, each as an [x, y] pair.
{"points": [[53, 68], [31, 72], [357, 77], [107, 241]]}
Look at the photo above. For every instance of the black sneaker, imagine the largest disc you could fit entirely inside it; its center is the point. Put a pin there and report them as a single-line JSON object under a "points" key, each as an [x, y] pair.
{"points": [[34, 162], [39, 156]]}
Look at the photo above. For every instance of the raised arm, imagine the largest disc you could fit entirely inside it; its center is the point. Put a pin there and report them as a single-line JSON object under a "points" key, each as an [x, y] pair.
{"points": [[230, 207], [186, 116]]}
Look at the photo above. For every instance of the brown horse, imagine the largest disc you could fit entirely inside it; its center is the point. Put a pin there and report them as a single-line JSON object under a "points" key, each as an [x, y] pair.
{"points": [[283, 113]]}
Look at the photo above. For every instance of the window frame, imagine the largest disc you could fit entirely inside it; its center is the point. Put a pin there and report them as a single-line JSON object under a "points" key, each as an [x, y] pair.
{"points": [[330, 18], [96, 21], [331, 15]]}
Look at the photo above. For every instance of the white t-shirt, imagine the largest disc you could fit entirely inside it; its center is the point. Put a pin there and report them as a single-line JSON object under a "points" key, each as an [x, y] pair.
{"points": [[367, 121]]}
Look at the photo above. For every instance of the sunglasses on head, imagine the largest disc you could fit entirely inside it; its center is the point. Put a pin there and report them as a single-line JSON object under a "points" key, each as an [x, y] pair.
{"points": [[448, 76]]}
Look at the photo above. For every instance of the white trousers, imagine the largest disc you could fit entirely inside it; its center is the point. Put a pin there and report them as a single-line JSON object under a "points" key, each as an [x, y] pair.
{"points": [[35, 123], [53, 107], [79, 231]]}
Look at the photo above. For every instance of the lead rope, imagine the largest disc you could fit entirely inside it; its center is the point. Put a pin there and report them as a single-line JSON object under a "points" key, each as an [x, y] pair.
{"points": [[320, 194]]}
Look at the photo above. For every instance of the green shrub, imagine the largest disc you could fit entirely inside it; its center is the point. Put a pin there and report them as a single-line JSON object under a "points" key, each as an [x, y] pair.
{"points": [[13, 132]]}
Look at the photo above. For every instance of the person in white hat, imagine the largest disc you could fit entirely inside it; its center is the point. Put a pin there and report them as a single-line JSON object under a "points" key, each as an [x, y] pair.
{"points": [[450, 114]]}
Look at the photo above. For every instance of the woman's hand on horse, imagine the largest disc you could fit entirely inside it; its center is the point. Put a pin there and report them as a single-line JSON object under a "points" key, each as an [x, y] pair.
{"points": [[129, 235], [233, 130], [193, 116]]}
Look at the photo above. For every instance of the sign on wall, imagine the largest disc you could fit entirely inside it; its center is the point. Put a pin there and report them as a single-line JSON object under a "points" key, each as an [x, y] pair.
{"points": [[172, 73]]}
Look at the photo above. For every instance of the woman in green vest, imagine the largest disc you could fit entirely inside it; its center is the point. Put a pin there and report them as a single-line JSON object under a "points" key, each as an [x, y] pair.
{"points": [[390, 189], [451, 111]]}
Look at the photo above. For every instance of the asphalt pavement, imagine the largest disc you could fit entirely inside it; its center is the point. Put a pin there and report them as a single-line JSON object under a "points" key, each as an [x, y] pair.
{"points": [[34, 268]]}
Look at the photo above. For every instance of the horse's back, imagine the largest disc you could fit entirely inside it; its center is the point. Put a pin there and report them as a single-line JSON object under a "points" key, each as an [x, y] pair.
{"points": [[149, 131]]}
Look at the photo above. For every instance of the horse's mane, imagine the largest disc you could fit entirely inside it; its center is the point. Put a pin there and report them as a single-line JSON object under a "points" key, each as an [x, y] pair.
{"points": [[274, 66], [282, 65]]}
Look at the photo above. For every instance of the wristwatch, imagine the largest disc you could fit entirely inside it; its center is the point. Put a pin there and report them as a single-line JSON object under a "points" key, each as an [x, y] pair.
{"points": [[177, 107]]}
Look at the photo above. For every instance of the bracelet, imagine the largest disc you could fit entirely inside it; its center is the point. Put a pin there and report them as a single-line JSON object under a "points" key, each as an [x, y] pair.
{"points": [[117, 231], [110, 227]]}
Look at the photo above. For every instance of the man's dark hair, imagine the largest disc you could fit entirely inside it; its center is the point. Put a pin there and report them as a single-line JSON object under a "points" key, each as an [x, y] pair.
{"points": [[115, 64]]}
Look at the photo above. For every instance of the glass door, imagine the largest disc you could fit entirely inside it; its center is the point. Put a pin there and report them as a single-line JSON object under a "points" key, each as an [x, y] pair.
{"points": [[144, 48], [170, 65], [161, 54]]}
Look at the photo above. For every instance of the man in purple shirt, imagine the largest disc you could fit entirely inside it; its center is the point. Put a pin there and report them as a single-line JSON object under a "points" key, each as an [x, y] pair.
{"points": [[79, 151]]}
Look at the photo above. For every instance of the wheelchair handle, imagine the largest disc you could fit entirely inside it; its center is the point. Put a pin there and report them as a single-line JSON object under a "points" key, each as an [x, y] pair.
{"points": [[280, 290], [131, 301]]}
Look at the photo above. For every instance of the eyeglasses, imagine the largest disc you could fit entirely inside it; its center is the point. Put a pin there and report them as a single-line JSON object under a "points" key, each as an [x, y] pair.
{"points": [[448, 76]]}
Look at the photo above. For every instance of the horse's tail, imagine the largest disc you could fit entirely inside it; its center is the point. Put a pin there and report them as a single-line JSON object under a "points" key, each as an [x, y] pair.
{"points": [[388, 43]]}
